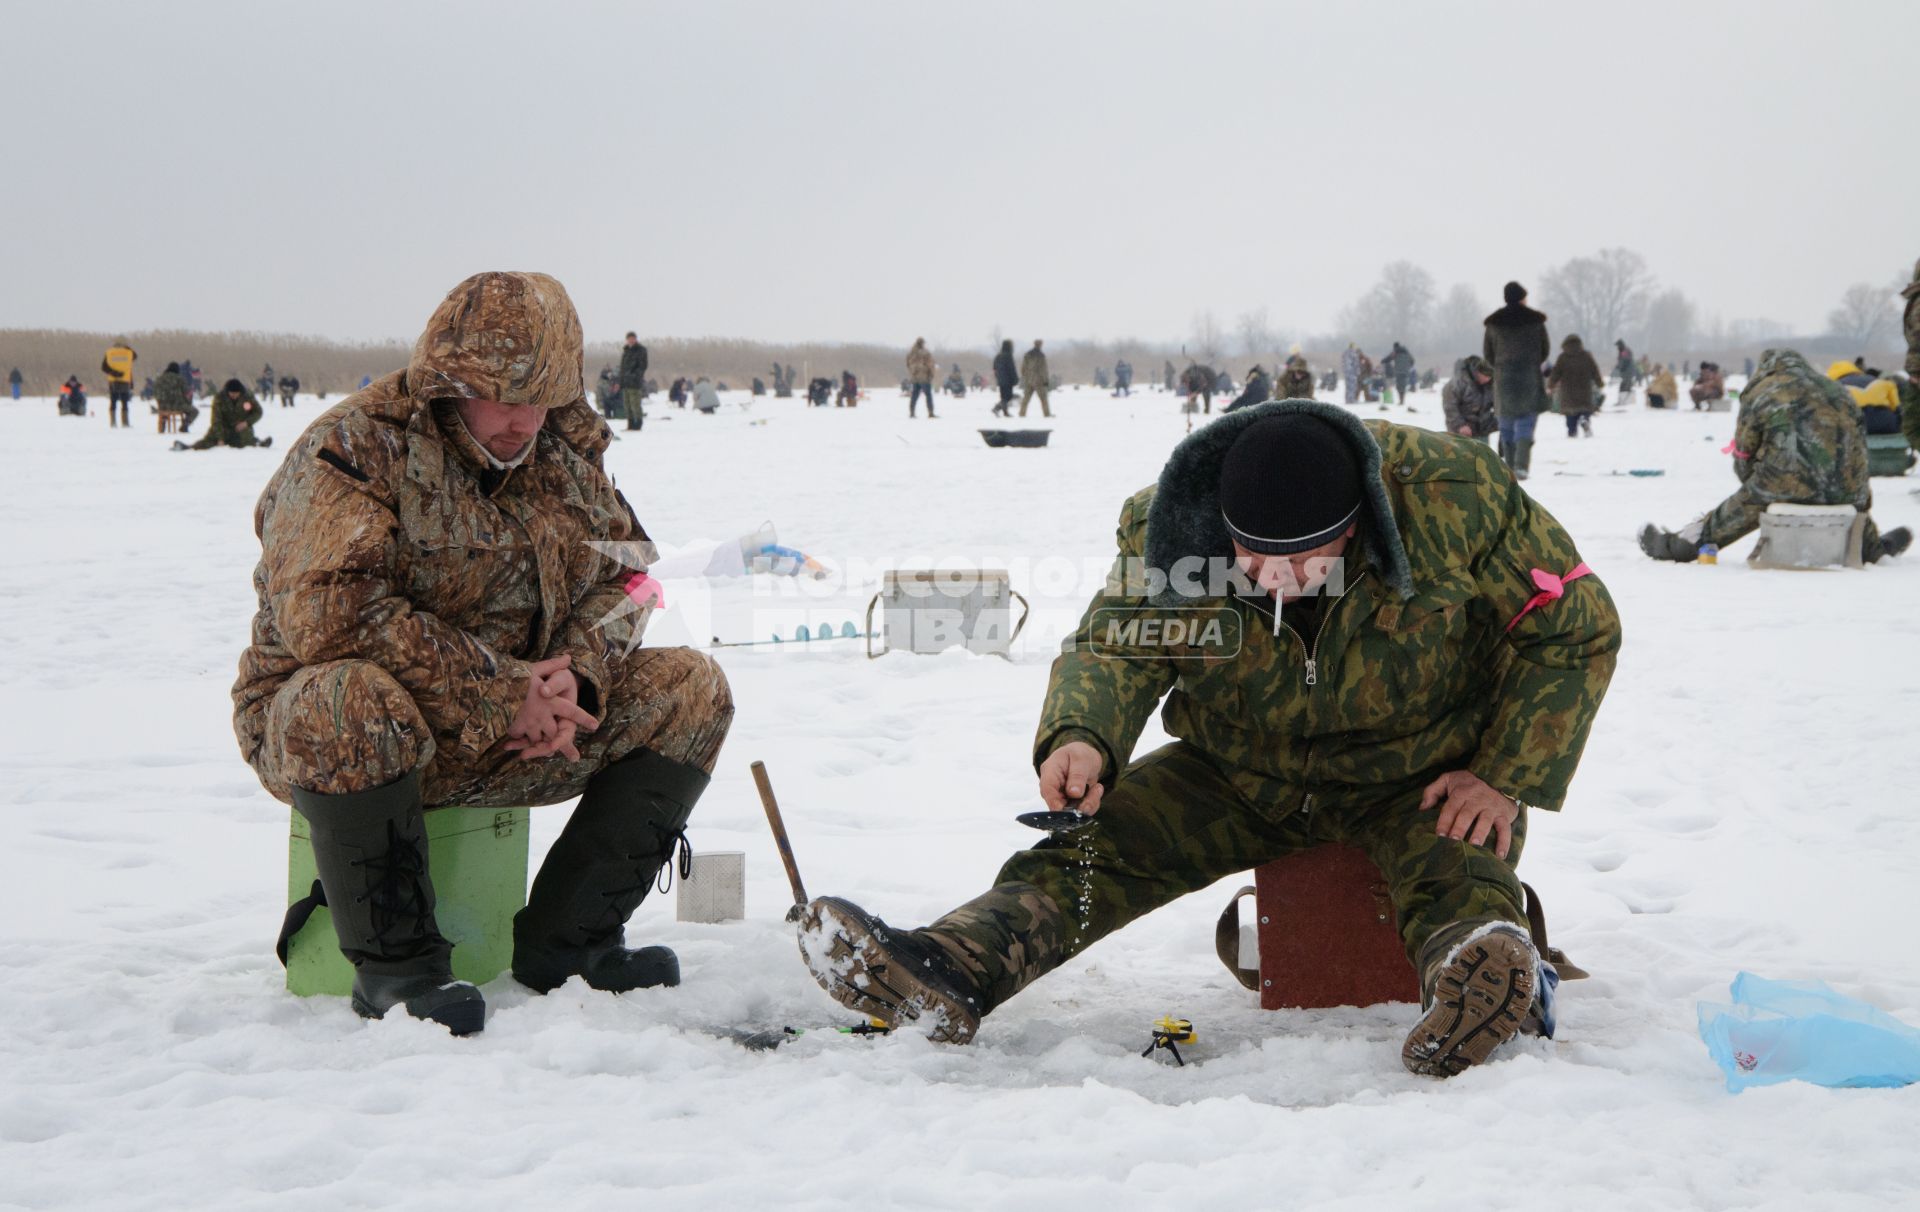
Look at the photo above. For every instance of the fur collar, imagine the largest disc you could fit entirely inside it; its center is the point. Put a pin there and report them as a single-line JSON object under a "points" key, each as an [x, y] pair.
{"points": [[1184, 519], [1516, 315]]}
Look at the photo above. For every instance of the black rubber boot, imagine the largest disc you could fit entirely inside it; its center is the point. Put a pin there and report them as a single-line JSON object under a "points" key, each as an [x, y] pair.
{"points": [[1892, 543], [370, 848], [627, 826], [1523, 458], [1665, 545]]}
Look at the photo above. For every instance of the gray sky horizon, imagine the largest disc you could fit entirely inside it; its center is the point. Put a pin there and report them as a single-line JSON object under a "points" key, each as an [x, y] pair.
{"points": [[868, 172]]}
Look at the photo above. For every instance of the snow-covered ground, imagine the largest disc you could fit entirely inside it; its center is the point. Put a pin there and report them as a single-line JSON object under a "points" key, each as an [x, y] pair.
{"points": [[1747, 801]]}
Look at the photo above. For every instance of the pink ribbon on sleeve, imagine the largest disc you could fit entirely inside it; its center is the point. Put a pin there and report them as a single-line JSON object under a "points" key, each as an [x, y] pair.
{"points": [[1733, 450], [643, 588], [1552, 589]]}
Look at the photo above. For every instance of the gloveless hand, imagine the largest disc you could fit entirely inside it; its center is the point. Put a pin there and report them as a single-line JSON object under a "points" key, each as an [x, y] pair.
{"points": [[1472, 811], [551, 716]]}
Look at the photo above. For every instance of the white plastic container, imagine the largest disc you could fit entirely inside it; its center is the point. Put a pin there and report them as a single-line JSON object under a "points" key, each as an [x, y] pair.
{"points": [[1809, 536], [715, 889], [934, 609]]}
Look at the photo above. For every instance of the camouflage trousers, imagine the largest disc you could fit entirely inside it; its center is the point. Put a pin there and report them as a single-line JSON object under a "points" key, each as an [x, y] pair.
{"points": [[348, 726], [1174, 824], [1739, 516], [225, 435]]}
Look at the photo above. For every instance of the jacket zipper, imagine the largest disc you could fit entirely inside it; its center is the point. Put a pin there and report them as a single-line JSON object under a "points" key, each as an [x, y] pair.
{"points": [[1312, 655]]}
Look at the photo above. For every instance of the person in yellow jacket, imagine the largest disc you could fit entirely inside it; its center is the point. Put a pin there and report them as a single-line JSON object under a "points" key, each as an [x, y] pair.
{"points": [[118, 365], [1879, 399], [1662, 391]]}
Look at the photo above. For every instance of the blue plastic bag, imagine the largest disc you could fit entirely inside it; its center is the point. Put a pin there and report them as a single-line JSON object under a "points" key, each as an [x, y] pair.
{"points": [[1779, 1031]]}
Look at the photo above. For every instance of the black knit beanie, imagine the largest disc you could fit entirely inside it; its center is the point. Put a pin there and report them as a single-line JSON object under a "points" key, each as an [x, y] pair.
{"points": [[234, 385], [1515, 292], [1289, 484]]}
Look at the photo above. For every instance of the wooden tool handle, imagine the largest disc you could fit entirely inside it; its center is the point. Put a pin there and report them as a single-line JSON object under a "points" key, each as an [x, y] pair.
{"points": [[779, 831]]}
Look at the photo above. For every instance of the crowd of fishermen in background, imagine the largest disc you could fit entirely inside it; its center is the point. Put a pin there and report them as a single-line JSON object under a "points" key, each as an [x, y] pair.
{"points": [[1496, 394]]}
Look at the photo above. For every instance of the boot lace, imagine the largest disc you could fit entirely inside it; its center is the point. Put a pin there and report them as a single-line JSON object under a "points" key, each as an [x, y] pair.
{"points": [[673, 850], [398, 897], [678, 852]]}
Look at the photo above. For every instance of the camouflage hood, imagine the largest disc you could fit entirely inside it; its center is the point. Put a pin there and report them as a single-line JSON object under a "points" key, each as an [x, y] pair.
{"points": [[1184, 519], [1773, 361], [512, 337]]}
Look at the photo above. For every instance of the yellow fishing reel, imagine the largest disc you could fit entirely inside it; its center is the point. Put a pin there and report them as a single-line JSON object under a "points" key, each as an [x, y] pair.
{"points": [[1169, 1033]]}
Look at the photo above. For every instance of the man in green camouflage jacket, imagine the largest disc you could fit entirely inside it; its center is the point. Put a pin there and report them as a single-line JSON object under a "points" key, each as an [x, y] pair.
{"points": [[170, 394], [1454, 662], [235, 413], [1799, 441]]}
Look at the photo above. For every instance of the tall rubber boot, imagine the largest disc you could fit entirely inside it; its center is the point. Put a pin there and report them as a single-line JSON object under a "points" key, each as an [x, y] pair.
{"points": [[370, 849], [1506, 453], [628, 824], [1522, 458]]}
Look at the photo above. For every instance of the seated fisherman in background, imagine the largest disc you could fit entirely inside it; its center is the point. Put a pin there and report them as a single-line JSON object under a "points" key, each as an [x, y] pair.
{"points": [[1662, 391], [235, 412], [434, 628], [1878, 398], [1458, 668], [1708, 386], [1467, 399], [1296, 381], [1799, 441]]}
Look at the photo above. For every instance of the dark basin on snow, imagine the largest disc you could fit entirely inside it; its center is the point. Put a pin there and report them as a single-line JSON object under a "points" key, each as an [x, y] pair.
{"points": [[1015, 437]]}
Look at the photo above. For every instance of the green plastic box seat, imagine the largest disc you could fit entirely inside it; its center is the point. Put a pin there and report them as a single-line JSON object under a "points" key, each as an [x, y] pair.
{"points": [[1888, 455], [477, 858]]}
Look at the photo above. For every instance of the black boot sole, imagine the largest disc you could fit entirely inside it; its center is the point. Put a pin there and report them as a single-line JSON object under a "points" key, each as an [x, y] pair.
{"points": [[1480, 998], [846, 949], [654, 973], [459, 1018]]}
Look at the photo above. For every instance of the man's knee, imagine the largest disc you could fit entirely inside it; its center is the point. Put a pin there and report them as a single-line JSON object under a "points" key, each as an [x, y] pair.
{"points": [[681, 701], [342, 727]]}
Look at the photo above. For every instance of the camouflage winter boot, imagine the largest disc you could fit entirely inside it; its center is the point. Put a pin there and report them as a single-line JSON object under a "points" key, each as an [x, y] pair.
{"points": [[628, 825], [370, 849], [950, 973], [1478, 980], [1666, 545]]}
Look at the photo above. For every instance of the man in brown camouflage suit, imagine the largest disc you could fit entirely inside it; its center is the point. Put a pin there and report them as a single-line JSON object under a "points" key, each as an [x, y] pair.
{"points": [[435, 627], [1296, 381], [1035, 377], [1421, 714]]}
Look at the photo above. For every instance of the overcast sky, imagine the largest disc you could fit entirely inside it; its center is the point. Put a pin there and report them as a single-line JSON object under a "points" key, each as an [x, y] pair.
{"points": [[883, 171]]}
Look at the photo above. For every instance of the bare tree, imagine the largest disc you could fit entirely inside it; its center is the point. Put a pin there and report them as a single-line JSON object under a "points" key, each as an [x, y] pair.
{"points": [[1399, 307], [1209, 339], [1257, 337], [1865, 316], [1670, 318], [1409, 293], [1599, 297], [1457, 325]]}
